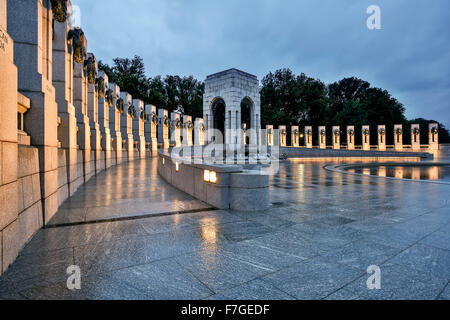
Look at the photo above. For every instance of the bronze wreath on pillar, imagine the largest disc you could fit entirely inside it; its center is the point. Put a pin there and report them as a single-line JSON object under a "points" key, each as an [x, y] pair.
{"points": [[166, 121], [77, 40], [366, 132], [416, 131], [144, 116], [120, 105], [109, 97], [309, 133], [270, 131], [351, 132], [296, 133], [59, 9], [283, 132], [323, 133], [337, 133], [132, 111], [202, 128], [435, 130], [189, 125], [155, 118], [178, 123], [100, 82], [382, 132], [90, 66]]}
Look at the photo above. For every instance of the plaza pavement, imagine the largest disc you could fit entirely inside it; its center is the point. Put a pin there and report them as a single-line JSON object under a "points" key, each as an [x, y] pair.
{"points": [[135, 237]]}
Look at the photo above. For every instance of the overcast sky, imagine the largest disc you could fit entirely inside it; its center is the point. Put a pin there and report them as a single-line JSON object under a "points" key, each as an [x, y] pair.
{"points": [[326, 39]]}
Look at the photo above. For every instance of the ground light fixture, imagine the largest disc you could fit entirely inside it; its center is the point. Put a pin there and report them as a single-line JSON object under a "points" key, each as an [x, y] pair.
{"points": [[177, 166], [210, 176]]}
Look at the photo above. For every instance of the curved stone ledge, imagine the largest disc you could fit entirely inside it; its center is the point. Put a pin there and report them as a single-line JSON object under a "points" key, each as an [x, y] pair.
{"points": [[235, 188], [300, 152]]}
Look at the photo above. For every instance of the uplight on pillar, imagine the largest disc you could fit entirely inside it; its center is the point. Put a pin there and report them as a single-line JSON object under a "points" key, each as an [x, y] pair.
{"points": [[177, 166], [283, 136], [308, 137], [322, 137], [433, 136], [269, 130], [350, 138], [295, 136], [382, 138], [336, 138], [366, 138], [415, 137], [398, 137]]}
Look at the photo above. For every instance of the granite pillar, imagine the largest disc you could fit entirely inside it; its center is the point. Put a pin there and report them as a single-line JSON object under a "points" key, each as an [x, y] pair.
{"points": [[118, 107], [30, 24]]}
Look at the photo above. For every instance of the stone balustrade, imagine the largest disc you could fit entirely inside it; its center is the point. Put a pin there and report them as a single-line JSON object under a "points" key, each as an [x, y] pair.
{"points": [[346, 140]]}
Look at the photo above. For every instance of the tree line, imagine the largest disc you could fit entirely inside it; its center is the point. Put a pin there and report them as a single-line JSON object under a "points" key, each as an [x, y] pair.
{"points": [[286, 99]]}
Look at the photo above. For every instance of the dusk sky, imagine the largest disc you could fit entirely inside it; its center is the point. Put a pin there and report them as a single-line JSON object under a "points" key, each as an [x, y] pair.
{"points": [[326, 39]]}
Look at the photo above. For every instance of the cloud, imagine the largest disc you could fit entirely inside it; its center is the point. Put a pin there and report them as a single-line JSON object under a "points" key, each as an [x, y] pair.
{"points": [[327, 39]]}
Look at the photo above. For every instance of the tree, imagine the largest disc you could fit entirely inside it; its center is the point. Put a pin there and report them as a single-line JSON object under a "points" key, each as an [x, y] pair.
{"points": [[174, 93], [129, 75], [289, 99], [354, 102]]}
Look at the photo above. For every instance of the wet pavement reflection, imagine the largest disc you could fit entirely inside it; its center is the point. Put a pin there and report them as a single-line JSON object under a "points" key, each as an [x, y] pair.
{"points": [[316, 242], [434, 173]]}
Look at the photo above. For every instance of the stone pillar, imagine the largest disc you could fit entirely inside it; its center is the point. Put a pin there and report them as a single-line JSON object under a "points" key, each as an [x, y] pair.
{"points": [[30, 24], [105, 101], [433, 136], [188, 129], [228, 126], [270, 135], [308, 137], [336, 138], [9, 186], [163, 128], [415, 137], [139, 127], [398, 137], [295, 136], [366, 138], [63, 83], [176, 125], [151, 126], [282, 131], [126, 125], [118, 107], [350, 137], [80, 101], [200, 130], [96, 136], [382, 138], [322, 137]]}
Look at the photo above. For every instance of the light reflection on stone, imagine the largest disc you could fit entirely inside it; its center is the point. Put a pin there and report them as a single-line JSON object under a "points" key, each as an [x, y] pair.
{"points": [[433, 173]]}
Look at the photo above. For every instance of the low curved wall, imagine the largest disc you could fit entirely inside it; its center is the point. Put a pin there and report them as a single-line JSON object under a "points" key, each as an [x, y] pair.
{"points": [[235, 189]]}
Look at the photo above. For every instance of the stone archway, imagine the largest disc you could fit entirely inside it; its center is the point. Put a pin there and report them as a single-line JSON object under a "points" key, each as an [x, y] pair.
{"points": [[236, 92], [218, 108], [247, 112]]}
